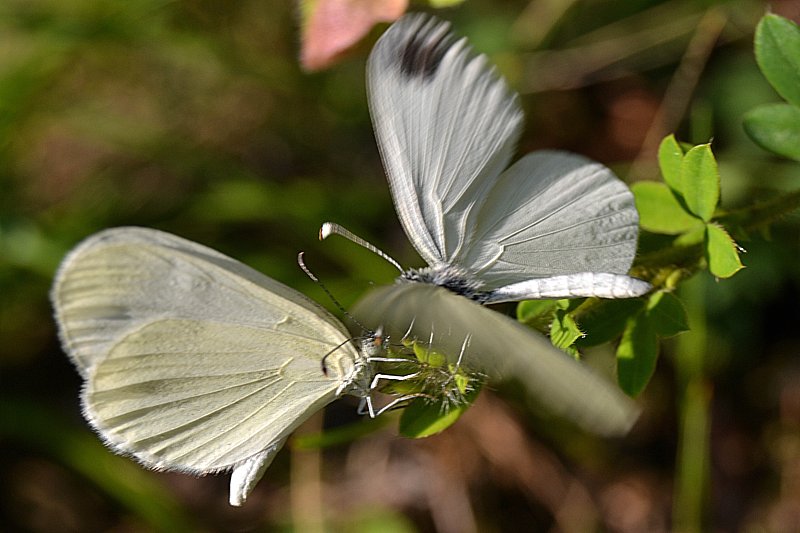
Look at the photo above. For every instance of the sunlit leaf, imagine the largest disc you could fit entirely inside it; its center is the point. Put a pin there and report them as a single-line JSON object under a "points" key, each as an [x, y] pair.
{"points": [[722, 253], [637, 354], [700, 180], [777, 46], [423, 418], [776, 128], [425, 354], [564, 331], [670, 157], [667, 314], [693, 237], [659, 210]]}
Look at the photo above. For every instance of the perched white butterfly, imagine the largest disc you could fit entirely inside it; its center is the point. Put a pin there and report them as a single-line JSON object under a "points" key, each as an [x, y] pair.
{"points": [[193, 361], [552, 225]]}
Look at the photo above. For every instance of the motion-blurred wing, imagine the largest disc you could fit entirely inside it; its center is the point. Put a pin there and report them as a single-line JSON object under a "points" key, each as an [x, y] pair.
{"points": [[501, 348], [119, 279], [446, 127]]}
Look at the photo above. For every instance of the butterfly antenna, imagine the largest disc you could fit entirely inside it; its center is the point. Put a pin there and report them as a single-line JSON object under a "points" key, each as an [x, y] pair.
{"points": [[330, 228], [324, 357], [316, 280]]}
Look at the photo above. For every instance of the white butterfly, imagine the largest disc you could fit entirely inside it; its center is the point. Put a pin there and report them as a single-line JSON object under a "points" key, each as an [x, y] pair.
{"points": [[552, 225], [193, 361]]}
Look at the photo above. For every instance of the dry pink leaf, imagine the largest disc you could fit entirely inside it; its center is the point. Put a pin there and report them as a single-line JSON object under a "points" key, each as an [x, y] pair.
{"points": [[332, 26]]}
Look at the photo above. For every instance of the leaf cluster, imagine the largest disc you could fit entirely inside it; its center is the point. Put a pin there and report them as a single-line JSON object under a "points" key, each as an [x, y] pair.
{"points": [[684, 208], [776, 127]]}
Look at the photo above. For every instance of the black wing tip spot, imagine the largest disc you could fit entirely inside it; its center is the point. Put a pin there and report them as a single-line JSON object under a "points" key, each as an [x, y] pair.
{"points": [[423, 51]]}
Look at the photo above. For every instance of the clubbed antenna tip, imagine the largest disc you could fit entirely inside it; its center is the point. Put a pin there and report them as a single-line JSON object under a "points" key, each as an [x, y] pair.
{"points": [[331, 228]]}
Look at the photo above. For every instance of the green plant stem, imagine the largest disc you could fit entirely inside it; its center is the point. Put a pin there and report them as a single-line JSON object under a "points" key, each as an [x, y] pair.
{"points": [[694, 400]]}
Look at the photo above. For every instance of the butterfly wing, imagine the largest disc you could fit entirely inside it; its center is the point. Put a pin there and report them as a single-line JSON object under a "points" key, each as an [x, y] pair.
{"points": [[202, 396], [120, 278], [446, 127], [550, 214], [193, 361], [501, 348]]}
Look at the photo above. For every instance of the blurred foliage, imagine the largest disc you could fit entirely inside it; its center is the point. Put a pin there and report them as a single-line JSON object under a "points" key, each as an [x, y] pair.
{"points": [[194, 117]]}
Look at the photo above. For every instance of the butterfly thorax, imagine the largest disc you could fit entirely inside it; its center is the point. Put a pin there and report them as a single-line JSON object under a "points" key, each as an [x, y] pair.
{"points": [[453, 278], [357, 378]]}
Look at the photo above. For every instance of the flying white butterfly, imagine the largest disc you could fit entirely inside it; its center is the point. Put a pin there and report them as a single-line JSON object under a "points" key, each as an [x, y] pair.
{"points": [[193, 361], [552, 225]]}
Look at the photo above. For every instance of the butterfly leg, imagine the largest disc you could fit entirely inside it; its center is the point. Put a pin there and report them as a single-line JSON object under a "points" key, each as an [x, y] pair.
{"points": [[392, 377], [366, 401], [396, 401]]}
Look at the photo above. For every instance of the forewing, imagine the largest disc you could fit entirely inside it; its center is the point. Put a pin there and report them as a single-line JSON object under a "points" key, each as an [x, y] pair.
{"points": [[501, 348], [446, 126], [119, 279], [553, 213], [203, 396]]}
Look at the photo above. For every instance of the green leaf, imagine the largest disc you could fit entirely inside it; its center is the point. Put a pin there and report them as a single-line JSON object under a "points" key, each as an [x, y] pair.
{"points": [[536, 313], [776, 128], [777, 46], [694, 237], [637, 354], [659, 210], [564, 331], [606, 321], [670, 157], [700, 179], [425, 354], [667, 314], [423, 418], [722, 253]]}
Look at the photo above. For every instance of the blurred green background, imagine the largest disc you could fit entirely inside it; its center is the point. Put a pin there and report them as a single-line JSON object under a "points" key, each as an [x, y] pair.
{"points": [[193, 116]]}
